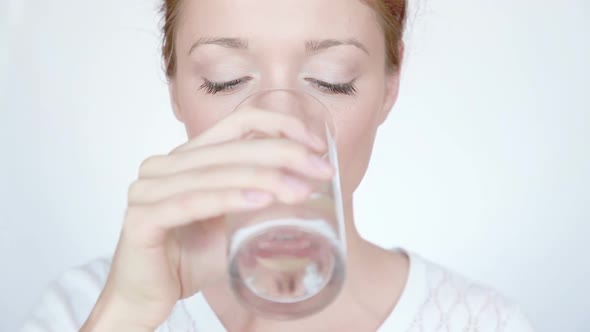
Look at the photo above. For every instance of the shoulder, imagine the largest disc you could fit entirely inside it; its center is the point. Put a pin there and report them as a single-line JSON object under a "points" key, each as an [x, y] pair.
{"points": [[451, 302], [67, 302]]}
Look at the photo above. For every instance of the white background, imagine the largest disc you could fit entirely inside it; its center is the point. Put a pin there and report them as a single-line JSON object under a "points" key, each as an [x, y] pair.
{"points": [[483, 165]]}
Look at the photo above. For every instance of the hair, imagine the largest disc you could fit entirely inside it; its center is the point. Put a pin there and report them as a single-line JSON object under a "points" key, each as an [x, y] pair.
{"points": [[391, 14]]}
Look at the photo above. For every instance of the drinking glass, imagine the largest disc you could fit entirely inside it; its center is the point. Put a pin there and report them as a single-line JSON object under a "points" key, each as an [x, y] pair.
{"points": [[287, 261]]}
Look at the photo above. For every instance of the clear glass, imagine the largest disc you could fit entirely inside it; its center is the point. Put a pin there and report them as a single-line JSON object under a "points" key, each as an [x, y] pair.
{"points": [[287, 261]]}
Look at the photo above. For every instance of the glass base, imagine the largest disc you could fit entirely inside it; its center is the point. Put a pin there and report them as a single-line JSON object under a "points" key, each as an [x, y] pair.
{"points": [[286, 269]]}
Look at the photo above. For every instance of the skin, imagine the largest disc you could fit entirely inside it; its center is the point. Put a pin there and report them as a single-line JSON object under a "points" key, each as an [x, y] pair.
{"points": [[173, 240]]}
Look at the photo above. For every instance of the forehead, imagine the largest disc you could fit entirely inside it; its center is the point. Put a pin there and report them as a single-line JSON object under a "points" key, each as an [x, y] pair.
{"points": [[276, 20]]}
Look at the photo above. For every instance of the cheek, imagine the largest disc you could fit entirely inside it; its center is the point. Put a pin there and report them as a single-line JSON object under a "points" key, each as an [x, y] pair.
{"points": [[197, 119], [200, 113], [356, 135], [354, 153]]}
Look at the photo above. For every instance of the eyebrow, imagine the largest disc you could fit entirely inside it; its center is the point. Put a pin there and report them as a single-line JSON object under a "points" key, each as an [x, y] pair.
{"points": [[319, 45], [310, 45], [236, 43]]}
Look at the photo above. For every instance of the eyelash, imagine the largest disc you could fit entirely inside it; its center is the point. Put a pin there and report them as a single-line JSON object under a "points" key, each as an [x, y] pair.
{"points": [[331, 88], [215, 87]]}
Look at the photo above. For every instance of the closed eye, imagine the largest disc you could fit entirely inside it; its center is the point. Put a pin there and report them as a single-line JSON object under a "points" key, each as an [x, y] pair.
{"points": [[334, 88], [215, 87]]}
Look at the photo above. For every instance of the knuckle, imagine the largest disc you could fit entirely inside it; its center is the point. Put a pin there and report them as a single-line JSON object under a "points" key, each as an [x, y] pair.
{"points": [[134, 216], [133, 190], [148, 165], [138, 189]]}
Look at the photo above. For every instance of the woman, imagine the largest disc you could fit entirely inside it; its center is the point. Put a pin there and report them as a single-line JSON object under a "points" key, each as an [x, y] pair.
{"points": [[168, 271]]}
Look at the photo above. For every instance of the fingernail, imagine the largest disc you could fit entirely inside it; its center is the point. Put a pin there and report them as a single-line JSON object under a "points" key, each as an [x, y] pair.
{"points": [[257, 197], [321, 164], [317, 142]]}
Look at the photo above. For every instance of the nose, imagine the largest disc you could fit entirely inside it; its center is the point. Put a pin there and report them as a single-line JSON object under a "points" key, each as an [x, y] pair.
{"points": [[296, 103], [284, 101]]}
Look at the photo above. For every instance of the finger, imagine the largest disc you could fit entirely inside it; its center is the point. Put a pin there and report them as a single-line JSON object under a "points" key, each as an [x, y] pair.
{"points": [[204, 244], [278, 153], [252, 120], [286, 187], [150, 221]]}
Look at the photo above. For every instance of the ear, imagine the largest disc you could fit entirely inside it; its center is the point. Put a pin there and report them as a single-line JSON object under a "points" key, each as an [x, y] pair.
{"points": [[392, 79], [173, 91]]}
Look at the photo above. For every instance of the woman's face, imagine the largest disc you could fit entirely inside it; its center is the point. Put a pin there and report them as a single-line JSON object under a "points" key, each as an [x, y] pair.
{"points": [[333, 49]]}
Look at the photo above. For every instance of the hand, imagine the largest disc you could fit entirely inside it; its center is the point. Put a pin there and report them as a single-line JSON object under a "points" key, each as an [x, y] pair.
{"points": [[173, 239]]}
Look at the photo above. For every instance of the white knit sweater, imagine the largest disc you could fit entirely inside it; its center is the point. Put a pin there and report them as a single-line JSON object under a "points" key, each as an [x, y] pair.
{"points": [[434, 299]]}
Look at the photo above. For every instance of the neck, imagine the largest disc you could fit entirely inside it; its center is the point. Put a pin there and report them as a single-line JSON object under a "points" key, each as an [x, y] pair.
{"points": [[353, 238]]}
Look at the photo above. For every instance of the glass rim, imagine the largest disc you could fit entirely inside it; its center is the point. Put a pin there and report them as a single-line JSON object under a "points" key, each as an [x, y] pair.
{"points": [[331, 126]]}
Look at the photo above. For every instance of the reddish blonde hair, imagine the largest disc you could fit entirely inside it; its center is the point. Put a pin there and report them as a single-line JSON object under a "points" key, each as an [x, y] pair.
{"points": [[392, 16]]}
